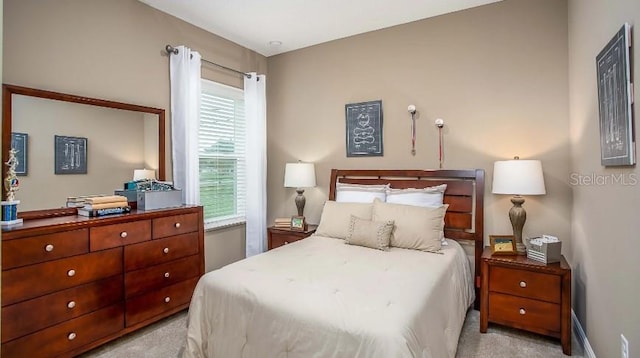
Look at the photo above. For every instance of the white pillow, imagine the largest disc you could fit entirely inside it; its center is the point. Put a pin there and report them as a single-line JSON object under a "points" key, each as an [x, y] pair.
{"points": [[336, 218], [368, 233], [432, 196], [416, 227], [428, 197], [357, 193]]}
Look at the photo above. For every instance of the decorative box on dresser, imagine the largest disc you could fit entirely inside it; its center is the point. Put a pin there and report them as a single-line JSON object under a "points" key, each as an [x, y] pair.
{"points": [[72, 283], [283, 236], [528, 295]]}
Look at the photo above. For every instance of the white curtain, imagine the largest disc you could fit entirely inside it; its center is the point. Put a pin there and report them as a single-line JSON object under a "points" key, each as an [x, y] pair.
{"points": [[256, 209], [185, 122]]}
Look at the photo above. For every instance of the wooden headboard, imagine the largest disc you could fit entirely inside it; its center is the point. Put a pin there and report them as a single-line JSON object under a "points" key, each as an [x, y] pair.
{"points": [[465, 195]]}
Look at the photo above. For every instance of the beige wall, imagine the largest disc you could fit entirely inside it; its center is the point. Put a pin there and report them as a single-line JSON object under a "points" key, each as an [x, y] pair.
{"points": [[114, 50], [605, 217], [496, 74]]}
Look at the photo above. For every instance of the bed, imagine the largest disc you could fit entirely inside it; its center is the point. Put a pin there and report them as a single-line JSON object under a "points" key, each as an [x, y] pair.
{"points": [[320, 297]]}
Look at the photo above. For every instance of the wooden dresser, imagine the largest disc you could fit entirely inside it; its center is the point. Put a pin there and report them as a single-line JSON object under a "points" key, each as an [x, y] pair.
{"points": [[72, 283], [528, 295]]}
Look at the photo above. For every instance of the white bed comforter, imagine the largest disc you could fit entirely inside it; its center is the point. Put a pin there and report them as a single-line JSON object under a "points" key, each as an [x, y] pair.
{"points": [[320, 297]]}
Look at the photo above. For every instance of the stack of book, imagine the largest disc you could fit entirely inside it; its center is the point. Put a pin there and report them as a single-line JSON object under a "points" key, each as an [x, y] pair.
{"points": [[282, 223], [96, 206], [79, 201]]}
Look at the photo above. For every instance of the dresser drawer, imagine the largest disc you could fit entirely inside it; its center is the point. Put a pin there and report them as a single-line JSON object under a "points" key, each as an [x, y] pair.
{"points": [[29, 316], [157, 302], [160, 251], [105, 237], [155, 277], [36, 249], [36, 280], [66, 336], [524, 313], [523, 283], [175, 225]]}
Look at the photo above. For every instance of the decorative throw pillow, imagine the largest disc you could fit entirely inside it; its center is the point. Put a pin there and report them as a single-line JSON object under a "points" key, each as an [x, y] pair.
{"points": [[416, 227], [432, 196], [356, 193], [368, 233], [336, 218]]}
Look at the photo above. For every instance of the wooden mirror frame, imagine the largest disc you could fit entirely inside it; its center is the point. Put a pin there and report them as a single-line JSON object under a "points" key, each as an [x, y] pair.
{"points": [[8, 90]]}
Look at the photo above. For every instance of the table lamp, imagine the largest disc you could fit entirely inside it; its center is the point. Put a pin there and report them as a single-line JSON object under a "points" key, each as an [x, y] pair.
{"points": [[144, 174], [518, 177], [299, 175]]}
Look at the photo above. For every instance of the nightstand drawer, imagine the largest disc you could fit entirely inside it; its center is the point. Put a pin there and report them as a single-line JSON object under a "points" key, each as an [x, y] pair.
{"points": [[524, 313], [539, 286], [284, 239]]}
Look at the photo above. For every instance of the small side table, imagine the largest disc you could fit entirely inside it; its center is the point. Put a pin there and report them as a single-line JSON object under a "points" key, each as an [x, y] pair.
{"points": [[528, 295], [279, 236]]}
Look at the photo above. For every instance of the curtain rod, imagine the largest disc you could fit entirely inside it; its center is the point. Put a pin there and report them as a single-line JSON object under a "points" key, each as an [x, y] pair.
{"points": [[172, 50]]}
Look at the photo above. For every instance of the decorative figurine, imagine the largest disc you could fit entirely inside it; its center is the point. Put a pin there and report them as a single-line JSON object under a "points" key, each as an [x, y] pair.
{"points": [[11, 184]]}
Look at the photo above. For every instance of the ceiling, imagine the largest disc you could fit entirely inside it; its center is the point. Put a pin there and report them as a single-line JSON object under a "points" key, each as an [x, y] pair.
{"points": [[256, 24]]}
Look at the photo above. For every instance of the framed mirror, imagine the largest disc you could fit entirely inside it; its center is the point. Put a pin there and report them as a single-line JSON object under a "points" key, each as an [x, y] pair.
{"points": [[74, 145]]}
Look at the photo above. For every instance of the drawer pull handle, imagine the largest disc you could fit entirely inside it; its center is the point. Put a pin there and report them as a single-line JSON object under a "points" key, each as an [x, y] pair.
{"points": [[48, 248], [167, 299], [71, 304], [522, 311], [523, 284], [123, 234], [166, 274], [177, 225], [286, 242], [165, 250], [71, 273], [71, 336]]}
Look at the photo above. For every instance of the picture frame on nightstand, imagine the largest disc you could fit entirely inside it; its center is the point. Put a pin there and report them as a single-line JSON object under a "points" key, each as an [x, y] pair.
{"points": [[502, 245], [298, 223]]}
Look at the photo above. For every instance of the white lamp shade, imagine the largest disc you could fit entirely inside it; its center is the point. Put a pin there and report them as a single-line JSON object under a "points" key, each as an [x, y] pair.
{"points": [[141, 174], [518, 177], [299, 175]]}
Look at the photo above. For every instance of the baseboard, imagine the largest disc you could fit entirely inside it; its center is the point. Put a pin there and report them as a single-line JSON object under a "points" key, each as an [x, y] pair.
{"points": [[581, 337]]}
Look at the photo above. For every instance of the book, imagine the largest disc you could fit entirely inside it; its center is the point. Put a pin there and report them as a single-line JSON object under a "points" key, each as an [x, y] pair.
{"points": [[105, 199], [103, 212], [115, 204]]}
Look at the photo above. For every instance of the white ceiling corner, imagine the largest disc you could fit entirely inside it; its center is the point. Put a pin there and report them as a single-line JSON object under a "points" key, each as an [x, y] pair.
{"points": [[302, 23]]}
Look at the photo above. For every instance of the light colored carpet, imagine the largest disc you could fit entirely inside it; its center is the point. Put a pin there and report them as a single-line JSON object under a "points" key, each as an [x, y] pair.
{"points": [[165, 339]]}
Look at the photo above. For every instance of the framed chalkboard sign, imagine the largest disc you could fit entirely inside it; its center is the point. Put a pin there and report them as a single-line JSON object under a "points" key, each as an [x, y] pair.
{"points": [[364, 129], [617, 138], [19, 142], [70, 155]]}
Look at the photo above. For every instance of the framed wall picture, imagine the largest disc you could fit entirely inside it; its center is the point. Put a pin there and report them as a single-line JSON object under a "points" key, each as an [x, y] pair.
{"points": [[502, 244], [617, 139], [70, 155], [364, 129], [19, 142]]}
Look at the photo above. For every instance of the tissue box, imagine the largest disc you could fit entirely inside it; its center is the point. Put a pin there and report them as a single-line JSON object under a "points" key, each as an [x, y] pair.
{"points": [[159, 199], [547, 252]]}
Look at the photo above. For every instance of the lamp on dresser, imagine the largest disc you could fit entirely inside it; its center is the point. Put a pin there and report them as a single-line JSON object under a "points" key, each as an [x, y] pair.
{"points": [[300, 175], [518, 177]]}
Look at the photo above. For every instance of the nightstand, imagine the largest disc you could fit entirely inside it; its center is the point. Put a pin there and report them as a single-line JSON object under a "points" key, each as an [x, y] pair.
{"points": [[527, 294], [278, 236]]}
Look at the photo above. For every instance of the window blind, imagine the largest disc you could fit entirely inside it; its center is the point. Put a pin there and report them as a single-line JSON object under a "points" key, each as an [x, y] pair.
{"points": [[222, 149]]}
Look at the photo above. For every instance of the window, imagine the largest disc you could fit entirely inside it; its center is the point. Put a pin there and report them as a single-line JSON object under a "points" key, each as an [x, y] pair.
{"points": [[222, 154]]}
